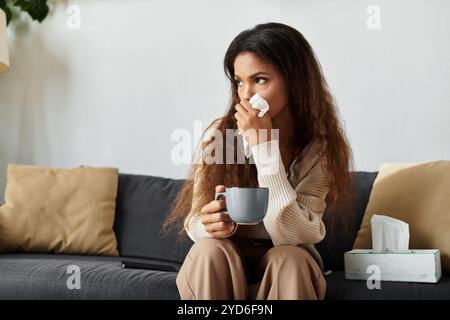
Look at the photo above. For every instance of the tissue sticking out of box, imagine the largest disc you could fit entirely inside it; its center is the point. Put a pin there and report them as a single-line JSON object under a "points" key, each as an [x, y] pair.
{"points": [[389, 235]]}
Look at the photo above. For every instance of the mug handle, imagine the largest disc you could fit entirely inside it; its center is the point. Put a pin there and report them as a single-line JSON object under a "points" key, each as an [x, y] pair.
{"points": [[218, 194]]}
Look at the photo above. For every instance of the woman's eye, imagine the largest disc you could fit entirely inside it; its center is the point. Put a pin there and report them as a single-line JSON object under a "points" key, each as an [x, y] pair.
{"points": [[264, 79]]}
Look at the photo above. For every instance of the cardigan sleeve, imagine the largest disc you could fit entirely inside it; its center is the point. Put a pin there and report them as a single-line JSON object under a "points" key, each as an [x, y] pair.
{"points": [[192, 224], [293, 216]]}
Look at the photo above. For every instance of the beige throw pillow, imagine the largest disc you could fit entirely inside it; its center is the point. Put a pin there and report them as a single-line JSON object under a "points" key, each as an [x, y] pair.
{"points": [[419, 194], [59, 210]]}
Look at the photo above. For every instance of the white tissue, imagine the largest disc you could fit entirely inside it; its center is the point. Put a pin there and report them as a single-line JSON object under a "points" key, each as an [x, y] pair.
{"points": [[257, 102], [389, 235]]}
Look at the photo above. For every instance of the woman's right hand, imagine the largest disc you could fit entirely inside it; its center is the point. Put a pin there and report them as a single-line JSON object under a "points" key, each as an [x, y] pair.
{"points": [[219, 225]]}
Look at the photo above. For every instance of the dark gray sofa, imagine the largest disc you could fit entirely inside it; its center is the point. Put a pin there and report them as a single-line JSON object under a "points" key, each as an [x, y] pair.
{"points": [[142, 204]]}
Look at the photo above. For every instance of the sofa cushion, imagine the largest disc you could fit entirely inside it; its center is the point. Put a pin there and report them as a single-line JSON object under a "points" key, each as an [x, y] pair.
{"points": [[45, 276], [340, 288], [143, 203], [333, 247], [59, 210], [418, 194]]}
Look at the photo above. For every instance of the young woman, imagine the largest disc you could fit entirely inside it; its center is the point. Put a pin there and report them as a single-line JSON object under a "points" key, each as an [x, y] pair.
{"points": [[275, 259]]}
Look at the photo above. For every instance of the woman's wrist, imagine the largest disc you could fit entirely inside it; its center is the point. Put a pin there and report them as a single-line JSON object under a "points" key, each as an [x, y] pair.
{"points": [[255, 139]]}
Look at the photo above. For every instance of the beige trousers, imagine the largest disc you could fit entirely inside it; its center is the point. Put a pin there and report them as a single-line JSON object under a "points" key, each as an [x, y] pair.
{"points": [[222, 269]]}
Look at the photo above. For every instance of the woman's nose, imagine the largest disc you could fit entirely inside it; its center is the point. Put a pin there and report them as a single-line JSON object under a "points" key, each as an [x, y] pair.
{"points": [[247, 92]]}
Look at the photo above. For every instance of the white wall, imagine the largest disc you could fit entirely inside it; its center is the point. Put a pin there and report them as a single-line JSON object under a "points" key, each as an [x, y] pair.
{"points": [[112, 92]]}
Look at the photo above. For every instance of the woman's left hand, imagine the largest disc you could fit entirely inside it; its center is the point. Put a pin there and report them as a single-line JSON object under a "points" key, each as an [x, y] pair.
{"points": [[247, 118]]}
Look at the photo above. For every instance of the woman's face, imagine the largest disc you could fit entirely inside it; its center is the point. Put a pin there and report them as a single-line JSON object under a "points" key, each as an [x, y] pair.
{"points": [[252, 76]]}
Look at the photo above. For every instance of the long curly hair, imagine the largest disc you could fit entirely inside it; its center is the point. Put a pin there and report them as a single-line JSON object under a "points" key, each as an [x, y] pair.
{"points": [[315, 116]]}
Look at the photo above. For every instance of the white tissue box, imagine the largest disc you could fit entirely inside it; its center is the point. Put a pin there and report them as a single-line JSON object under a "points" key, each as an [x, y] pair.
{"points": [[415, 266]]}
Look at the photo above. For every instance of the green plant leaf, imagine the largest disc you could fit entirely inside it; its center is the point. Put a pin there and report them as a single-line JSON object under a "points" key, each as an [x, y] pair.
{"points": [[8, 15], [23, 4], [7, 11], [38, 10]]}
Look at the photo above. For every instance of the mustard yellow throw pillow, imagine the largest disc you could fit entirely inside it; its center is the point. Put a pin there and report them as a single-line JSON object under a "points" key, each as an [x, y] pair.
{"points": [[59, 210], [419, 194]]}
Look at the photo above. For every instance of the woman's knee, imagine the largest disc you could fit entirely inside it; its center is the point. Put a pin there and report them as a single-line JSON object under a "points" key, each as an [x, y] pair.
{"points": [[211, 248], [294, 269], [289, 256]]}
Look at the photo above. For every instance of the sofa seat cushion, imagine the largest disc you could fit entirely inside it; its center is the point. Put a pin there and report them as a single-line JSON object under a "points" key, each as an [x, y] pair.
{"points": [[44, 276], [340, 288]]}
